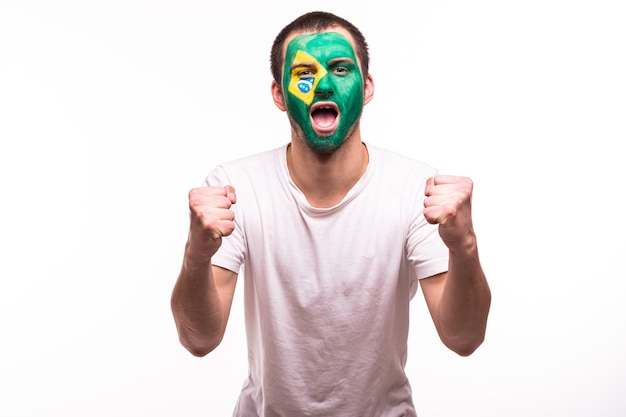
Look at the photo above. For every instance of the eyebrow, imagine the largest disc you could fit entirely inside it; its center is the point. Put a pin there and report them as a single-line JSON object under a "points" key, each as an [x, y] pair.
{"points": [[340, 60], [302, 64], [333, 61]]}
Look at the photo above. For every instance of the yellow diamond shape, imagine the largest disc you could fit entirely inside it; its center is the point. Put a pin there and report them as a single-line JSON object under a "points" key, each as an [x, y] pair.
{"points": [[303, 87]]}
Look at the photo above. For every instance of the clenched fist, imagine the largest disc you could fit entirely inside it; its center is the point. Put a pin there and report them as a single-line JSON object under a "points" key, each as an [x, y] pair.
{"points": [[448, 203], [210, 218]]}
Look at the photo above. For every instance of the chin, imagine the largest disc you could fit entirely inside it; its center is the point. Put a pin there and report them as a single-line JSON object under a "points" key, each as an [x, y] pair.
{"points": [[327, 145], [324, 146]]}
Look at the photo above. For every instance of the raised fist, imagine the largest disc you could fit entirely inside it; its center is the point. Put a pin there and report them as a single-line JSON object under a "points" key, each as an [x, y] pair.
{"points": [[210, 218], [448, 203]]}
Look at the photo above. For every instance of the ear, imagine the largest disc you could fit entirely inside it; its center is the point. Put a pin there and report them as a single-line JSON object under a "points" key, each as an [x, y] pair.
{"points": [[277, 95], [368, 92]]}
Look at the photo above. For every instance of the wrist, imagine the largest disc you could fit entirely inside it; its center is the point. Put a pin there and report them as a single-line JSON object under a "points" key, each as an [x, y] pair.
{"points": [[466, 246], [197, 257]]}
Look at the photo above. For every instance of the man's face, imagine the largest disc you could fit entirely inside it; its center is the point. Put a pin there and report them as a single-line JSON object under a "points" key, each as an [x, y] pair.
{"points": [[324, 88]]}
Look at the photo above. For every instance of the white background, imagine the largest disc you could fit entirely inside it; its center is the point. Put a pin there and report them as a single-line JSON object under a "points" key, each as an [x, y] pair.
{"points": [[110, 111]]}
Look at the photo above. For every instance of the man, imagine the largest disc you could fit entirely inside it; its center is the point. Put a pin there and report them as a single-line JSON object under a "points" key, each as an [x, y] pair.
{"points": [[333, 236]]}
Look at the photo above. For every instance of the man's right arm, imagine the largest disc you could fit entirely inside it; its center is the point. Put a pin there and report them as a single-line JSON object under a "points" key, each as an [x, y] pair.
{"points": [[203, 294]]}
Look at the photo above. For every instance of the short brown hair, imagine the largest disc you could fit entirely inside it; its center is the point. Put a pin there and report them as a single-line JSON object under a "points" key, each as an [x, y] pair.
{"points": [[316, 22]]}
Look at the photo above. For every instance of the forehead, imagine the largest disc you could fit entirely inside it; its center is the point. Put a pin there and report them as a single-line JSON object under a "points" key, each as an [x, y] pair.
{"points": [[309, 38]]}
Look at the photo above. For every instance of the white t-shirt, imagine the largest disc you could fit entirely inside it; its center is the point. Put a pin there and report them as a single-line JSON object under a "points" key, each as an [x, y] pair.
{"points": [[327, 290]]}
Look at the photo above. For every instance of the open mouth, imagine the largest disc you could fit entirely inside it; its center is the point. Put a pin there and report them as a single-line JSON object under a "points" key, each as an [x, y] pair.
{"points": [[324, 117]]}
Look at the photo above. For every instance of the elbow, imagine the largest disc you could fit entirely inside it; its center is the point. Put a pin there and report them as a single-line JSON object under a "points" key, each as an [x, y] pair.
{"points": [[466, 349], [199, 347], [197, 339], [198, 342], [465, 346], [199, 351]]}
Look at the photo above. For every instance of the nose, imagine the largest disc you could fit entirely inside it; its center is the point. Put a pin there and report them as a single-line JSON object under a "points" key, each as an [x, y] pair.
{"points": [[324, 88]]}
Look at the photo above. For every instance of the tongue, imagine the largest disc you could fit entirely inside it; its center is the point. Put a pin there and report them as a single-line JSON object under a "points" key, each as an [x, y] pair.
{"points": [[324, 118]]}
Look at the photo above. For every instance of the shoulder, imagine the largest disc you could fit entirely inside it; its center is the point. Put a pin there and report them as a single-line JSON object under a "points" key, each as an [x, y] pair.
{"points": [[255, 159], [250, 166], [395, 163]]}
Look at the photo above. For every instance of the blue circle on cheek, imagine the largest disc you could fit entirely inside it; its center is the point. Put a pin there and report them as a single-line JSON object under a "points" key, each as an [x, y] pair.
{"points": [[305, 84]]}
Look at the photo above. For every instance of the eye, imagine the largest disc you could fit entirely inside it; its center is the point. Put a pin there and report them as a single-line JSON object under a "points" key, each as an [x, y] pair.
{"points": [[305, 73], [340, 71]]}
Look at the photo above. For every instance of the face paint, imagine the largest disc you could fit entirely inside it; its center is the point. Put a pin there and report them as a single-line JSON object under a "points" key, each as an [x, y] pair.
{"points": [[304, 80], [324, 88]]}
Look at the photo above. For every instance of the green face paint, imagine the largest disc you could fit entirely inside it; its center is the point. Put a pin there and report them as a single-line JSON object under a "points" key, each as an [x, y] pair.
{"points": [[324, 88]]}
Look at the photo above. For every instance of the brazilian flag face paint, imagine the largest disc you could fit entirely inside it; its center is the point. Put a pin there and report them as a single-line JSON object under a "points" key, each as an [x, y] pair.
{"points": [[324, 88]]}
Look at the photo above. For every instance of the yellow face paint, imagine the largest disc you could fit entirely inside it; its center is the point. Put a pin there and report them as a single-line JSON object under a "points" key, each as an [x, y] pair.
{"points": [[306, 73]]}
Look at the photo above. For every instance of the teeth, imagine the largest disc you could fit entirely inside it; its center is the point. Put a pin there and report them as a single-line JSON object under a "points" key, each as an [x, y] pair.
{"points": [[326, 107]]}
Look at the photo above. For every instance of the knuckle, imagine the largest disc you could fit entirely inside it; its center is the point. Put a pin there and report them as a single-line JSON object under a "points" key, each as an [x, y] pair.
{"points": [[468, 185]]}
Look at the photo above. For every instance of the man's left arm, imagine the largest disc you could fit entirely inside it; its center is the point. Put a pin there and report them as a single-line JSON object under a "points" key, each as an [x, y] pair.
{"points": [[458, 300]]}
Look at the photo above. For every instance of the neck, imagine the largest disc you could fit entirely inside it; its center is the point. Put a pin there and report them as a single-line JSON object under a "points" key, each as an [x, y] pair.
{"points": [[326, 179]]}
